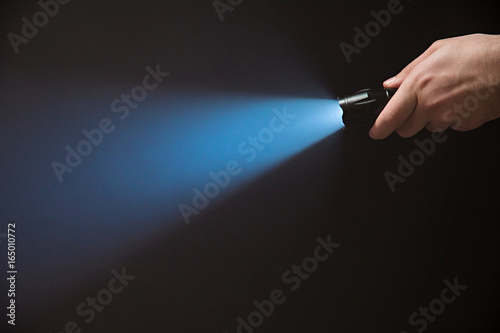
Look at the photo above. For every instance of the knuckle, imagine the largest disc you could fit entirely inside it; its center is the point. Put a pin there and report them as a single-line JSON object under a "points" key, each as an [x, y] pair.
{"points": [[430, 108], [404, 132], [424, 80], [409, 68], [467, 125], [438, 43], [475, 122], [392, 118], [430, 127], [488, 113], [437, 127], [461, 128]]}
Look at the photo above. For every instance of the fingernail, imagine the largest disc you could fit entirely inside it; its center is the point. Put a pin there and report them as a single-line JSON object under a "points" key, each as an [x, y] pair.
{"points": [[389, 81]]}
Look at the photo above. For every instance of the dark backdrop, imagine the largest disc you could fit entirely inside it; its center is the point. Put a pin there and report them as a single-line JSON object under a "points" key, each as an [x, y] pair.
{"points": [[396, 248]]}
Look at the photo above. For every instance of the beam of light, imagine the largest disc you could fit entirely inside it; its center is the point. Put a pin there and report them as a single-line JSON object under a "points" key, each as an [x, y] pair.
{"points": [[172, 149], [130, 187]]}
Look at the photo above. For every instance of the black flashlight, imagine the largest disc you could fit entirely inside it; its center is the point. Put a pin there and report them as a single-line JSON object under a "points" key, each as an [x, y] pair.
{"points": [[363, 107]]}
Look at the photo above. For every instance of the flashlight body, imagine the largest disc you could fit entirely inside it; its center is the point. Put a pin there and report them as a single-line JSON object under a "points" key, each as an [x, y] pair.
{"points": [[361, 108]]}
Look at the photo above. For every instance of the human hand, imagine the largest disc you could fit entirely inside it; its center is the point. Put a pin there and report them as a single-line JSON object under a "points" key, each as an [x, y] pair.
{"points": [[455, 83]]}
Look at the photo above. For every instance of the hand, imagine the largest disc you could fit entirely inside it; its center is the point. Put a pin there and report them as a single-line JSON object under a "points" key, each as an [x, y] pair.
{"points": [[455, 83]]}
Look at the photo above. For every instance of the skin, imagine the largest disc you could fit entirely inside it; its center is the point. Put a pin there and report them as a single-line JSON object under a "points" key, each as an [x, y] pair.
{"points": [[434, 89]]}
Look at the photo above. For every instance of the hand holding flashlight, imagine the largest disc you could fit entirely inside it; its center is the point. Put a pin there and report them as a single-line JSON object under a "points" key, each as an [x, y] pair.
{"points": [[455, 83]]}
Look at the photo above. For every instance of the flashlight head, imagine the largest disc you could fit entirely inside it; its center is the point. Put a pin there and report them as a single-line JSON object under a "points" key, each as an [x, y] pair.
{"points": [[361, 108]]}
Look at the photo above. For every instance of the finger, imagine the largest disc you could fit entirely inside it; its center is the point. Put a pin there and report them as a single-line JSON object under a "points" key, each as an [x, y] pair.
{"points": [[437, 127], [414, 124], [396, 81], [395, 113]]}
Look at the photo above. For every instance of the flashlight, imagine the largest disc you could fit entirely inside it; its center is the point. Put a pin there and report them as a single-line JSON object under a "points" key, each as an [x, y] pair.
{"points": [[363, 107]]}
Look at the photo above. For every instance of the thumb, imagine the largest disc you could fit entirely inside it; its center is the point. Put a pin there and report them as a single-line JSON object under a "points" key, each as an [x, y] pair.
{"points": [[396, 81]]}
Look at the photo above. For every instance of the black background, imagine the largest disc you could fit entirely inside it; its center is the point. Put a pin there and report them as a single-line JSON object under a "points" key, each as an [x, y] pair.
{"points": [[397, 248]]}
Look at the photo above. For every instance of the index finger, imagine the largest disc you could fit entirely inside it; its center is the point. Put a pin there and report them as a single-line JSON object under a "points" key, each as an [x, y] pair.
{"points": [[395, 113]]}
